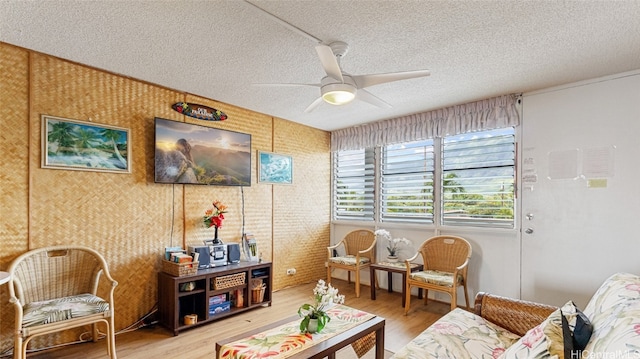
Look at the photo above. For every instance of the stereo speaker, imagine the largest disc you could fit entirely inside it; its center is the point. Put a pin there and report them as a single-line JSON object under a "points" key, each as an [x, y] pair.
{"points": [[204, 256], [233, 252]]}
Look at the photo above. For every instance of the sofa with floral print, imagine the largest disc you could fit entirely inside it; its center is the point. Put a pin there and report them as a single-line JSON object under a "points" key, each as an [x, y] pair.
{"points": [[608, 327]]}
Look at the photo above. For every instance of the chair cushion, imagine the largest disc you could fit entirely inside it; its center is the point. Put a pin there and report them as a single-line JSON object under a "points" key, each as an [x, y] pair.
{"points": [[59, 309], [460, 335], [547, 340], [349, 260], [435, 277]]}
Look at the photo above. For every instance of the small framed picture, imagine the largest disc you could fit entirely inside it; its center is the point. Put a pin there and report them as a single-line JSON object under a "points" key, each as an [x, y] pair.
{"points": [[84, 146], [275, 168]]}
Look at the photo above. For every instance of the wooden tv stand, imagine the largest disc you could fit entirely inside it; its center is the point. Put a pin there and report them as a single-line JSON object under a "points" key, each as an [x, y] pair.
{"points": [[208, 287]]}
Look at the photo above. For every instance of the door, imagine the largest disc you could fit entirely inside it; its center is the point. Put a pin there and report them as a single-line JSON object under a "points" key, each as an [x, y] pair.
{"points": [[576, 231]]}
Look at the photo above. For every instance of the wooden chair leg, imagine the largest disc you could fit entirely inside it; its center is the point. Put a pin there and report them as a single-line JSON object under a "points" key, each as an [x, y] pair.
{"points": [[454, 299], [357, 282], [111, 332], [328, 274], [108, 337], [426, 296], [18, 350], [349, 276], [466, 295], [407, 300], [95, 332]]}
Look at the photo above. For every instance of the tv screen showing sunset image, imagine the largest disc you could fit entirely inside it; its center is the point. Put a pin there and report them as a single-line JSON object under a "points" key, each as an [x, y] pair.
{"points": [[189, 153]]}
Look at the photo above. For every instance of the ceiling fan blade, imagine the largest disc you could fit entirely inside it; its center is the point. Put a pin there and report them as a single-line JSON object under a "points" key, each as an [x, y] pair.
{"points": [[367, 96], [286, 85], [363, 81], [313, 105], [329, 62]]}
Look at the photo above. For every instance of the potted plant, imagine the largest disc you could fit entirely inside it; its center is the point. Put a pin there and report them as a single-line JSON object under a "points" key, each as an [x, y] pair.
{"points": [[314, 316], [393, 244]]}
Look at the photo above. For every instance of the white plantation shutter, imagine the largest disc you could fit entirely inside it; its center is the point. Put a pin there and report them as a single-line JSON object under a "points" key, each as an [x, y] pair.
{"points": [[353, 183], [406, 182]]}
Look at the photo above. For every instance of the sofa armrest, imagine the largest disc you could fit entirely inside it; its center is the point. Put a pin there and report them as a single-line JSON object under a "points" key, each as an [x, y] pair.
{"points": [[515, 315]]}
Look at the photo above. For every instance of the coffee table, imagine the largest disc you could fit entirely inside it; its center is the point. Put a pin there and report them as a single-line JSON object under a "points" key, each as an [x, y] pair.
{"points": [[390, 268], [325, 348]]}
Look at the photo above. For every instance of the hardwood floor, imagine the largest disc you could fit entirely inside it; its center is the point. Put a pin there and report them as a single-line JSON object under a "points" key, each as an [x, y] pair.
{"points": [[157, 341]]}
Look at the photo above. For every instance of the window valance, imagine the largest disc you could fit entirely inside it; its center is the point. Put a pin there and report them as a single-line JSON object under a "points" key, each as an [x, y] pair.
{"points": [[489, 114]]}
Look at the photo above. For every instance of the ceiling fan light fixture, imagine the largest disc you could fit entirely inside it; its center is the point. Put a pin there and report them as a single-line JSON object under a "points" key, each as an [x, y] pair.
{"points": [[338, 94]]}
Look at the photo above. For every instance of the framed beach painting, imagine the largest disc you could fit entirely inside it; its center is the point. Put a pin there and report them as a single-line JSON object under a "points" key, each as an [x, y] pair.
{"points": [[84, 146], [275, 168]]}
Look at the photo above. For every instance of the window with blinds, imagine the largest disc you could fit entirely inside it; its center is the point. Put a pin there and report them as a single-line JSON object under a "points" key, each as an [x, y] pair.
{"points": [[478, 176], [354, 183], [466, 180], [406, 182]]}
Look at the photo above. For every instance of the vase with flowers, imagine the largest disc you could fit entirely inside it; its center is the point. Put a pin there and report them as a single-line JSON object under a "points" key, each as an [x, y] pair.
{"points": [[214, 216], [314, 316], [393, 244]]}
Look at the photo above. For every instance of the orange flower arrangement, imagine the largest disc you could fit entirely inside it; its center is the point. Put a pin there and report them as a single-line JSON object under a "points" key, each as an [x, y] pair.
{"points": [[213, 216]]}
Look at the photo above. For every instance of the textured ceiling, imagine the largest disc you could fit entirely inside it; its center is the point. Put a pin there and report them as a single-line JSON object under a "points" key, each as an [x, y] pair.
{"points": [[217, 49]]}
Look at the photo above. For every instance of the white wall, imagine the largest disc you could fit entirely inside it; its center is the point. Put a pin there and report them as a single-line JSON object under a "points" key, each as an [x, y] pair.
{"points": [[581, 235]]}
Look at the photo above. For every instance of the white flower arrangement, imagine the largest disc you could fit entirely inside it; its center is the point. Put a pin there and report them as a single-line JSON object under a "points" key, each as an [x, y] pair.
{"points": [[392, 243], [324, 297]]}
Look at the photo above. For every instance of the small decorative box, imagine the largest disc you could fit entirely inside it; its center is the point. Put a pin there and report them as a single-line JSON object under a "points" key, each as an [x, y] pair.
{"points": [[219, 308], [217, 299]]}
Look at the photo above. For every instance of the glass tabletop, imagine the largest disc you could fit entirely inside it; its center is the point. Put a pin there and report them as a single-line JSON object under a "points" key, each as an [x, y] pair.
{"points": [[396, 264], [286, 340]]}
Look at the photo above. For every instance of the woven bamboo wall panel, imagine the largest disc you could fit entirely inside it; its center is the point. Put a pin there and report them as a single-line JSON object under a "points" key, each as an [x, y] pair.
{"points": [[14, 110], [125, 217], [128, 217], [302, 211]]}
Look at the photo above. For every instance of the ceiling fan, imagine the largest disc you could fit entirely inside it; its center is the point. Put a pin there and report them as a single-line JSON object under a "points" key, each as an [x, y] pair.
{"points": [[339, 87]]}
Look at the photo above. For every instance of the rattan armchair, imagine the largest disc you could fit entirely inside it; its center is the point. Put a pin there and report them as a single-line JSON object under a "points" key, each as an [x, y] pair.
{"points": [[360, 252], [55, 288], [445, 263]]}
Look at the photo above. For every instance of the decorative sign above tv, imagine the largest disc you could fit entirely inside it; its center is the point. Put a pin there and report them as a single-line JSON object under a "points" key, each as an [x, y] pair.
{"points": [[200, 112], [189, 153]]}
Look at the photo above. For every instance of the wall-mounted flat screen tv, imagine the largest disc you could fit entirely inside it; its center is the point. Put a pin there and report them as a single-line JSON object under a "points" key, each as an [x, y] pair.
{"points": [[192, 154]]}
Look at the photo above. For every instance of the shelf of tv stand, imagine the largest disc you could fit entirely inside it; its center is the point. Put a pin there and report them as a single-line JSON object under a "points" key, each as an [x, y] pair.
{"points": [[174, 304]]}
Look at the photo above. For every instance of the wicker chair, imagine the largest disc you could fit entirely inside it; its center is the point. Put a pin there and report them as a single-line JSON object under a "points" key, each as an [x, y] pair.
{"points": [[445, 261], [360, 252], [54, 289]]}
